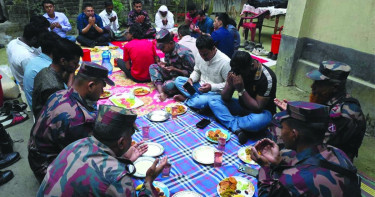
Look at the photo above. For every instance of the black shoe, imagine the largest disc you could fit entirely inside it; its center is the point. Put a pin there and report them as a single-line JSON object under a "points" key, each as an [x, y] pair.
{"points": [[270, 54], [5, 176], [8, 159], [274, 57], [6, 143], [242, 137]]}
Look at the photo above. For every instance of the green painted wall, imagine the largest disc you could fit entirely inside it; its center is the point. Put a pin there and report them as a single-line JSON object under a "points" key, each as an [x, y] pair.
{"points": [[294, 17], [345, 23]]}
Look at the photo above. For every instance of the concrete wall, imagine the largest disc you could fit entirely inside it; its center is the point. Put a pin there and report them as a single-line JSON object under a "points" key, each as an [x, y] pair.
{"points": [[341, 30]]}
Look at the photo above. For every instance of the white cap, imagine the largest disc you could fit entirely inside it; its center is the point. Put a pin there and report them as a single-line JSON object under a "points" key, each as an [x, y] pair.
{"points": [[163, 8]]}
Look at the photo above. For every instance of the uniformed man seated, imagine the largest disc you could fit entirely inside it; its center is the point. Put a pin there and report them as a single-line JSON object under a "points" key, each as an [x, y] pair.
{"points": [[347, 123], [95, 166], [309, 168]]}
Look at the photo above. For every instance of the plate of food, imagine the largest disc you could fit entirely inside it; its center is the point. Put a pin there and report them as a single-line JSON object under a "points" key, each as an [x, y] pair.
{"points": [[141, 91], [142, 164], [186, 194], [113, 47], [95, 49], [204, 154], [235, 186], [128, 101], [213, 135], [181, 109], [106, 94], [245, 155], [162, 189], [153, 150], [158, 116]]}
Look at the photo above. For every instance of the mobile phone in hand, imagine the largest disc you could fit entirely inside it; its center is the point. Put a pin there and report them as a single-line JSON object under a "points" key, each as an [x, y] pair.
{"points": [[203, 123], [247, 170], [189, 88]]}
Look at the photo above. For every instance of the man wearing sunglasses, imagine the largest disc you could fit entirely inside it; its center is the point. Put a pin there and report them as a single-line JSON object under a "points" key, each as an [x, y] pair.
{"points": [[179, 61]]}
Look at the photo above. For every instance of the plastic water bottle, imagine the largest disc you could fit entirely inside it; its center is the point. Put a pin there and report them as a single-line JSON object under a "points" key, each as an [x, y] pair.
{"points": [[106, 61]]}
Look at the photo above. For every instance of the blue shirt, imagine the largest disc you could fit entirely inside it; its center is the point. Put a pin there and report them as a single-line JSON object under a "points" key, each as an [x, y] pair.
{"points": [[62, 20], [31, 70], [206, 26], [82, 22], [224, 41], [236, 36]]}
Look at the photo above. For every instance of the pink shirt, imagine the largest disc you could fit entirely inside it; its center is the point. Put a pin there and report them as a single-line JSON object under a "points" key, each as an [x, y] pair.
{"points": [[141, 53]]}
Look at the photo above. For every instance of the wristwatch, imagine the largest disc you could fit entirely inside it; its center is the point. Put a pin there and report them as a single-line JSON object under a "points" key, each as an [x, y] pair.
{"points": [[241, 93]]}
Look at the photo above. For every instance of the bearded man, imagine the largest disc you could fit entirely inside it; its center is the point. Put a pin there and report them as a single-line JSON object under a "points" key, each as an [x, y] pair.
{"points": [[348, 125]]}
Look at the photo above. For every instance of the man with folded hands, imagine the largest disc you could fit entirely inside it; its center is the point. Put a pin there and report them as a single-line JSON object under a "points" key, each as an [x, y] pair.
{"points": [[67, 116], [307, 167], [101, 165]]}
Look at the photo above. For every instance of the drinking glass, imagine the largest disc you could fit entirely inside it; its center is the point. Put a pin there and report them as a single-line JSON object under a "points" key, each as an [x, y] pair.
{"points": [[146, 133], [218, 158], [221, 143], [166, 170], [174, 112]]}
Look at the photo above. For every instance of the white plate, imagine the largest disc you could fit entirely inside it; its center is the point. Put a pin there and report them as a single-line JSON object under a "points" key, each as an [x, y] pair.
{"points": [[158, 116], [242, 155], [240, 182], [154, 149], [204, 154], [168, 108], [187, 194], [142, 94], [117, 100], [142, 164]]}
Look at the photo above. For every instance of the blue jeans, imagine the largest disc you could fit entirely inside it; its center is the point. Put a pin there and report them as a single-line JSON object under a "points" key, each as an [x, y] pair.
{"points": [[198, 100], [235, 117], [71, 38]]}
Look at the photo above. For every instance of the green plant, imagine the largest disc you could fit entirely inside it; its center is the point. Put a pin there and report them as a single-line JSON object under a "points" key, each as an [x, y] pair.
{"points": [[119, 7]]}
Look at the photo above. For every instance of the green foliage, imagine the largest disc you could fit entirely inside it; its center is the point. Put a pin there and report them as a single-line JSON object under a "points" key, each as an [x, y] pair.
{"points": [[119, 7]]}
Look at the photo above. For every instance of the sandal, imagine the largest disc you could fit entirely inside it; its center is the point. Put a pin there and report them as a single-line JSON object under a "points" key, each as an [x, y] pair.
{"points": [[14, 118], [19, 107]]}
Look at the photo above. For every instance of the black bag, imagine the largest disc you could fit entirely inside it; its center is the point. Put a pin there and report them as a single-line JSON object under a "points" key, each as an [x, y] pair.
{"points": [[267, 3]]}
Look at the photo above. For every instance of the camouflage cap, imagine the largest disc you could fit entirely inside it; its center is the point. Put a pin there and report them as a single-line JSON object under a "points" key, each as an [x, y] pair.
{"points": [[111, 122], [92, 69], [163, 36], [330, 70], [304, 111]]}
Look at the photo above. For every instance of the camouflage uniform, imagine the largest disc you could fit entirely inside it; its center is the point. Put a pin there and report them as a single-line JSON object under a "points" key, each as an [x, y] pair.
{"points": [[88, 167], [181, 57], [347, 125], [65, 118], [146, 25], [300, 174], [318, 170]]}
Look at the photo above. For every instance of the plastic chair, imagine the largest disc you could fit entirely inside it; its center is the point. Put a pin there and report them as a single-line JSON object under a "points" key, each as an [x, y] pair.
{"points": [[251, 25]]}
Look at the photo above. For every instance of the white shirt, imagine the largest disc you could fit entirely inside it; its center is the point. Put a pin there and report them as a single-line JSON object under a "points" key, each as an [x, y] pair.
{"points": [[214, 72], [107, 23], [19, 55], [190, 43], [159, 20]]}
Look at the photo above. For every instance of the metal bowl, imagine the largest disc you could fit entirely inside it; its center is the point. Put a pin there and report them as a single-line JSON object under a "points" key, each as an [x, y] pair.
{"points": [[158, 116]]}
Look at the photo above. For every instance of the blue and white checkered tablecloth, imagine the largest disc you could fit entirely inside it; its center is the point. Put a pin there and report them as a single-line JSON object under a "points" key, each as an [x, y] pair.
{"points": [[179, 138]]}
